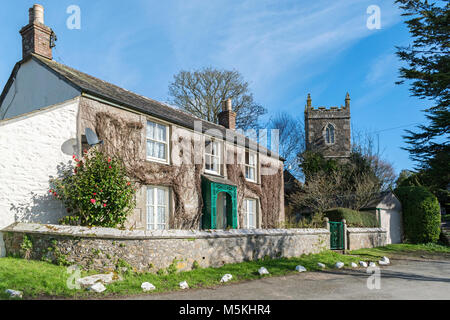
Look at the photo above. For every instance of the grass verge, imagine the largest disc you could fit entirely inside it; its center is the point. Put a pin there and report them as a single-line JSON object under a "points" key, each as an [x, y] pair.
{"points": [[38, 279]]}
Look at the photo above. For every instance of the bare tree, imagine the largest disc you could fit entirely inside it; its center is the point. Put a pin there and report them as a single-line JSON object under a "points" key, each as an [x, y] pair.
{"points": [[364, 143], [202, 91], [324, 191], [291, 140]]}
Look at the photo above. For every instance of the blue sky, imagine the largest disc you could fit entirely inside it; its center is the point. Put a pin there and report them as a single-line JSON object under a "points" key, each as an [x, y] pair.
{"points": [[284, 49]]}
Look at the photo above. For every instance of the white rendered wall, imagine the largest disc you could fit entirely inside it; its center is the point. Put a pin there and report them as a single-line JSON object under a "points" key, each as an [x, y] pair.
{"points": [[31, 148], [35, 87]]}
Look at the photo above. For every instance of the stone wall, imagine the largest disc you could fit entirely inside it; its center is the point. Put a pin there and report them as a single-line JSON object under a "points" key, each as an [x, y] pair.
{"points": [[358, 238], [104, 249]]}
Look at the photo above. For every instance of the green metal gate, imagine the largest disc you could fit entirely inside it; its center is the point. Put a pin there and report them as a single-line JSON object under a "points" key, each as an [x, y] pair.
{"points": [[336, 235]]}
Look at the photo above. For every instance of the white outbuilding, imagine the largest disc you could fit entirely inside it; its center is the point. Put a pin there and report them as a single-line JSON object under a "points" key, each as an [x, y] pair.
{"points": [[388, 210]]}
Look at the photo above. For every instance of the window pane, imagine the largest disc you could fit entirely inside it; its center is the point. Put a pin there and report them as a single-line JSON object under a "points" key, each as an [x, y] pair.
{"points": [[252, 160], [150, 196], [150, 218], [161, 132], [215, 164], [161, 215], [161, 151], [161, 197]]}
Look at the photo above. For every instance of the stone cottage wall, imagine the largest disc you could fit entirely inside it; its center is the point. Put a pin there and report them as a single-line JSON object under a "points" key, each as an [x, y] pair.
{"points": [[124, 133], [358, 238], [104, 249]]}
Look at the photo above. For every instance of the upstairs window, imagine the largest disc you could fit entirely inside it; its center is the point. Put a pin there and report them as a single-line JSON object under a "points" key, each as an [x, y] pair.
{"points": [[251, 160], [329, 134], [157, 141], [213, 153]]}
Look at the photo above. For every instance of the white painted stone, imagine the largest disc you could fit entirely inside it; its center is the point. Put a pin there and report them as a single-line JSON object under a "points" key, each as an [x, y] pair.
{"points": [[354, 265], [386, 259], [321, 265], [263, 271], [363, 264], [13, 293], [226, 277], [383, 263], [184, 285], [98, 278], [339, 265], [97, 287], [300, 268], [372, 264], [147, 286]]}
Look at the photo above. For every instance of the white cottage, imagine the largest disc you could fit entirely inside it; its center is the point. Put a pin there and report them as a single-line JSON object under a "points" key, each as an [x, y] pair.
{"points": [[45, 108]]}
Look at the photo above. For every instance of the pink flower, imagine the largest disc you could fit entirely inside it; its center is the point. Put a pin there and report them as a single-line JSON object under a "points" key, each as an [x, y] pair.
{"points": [[73, 157], [109, 160], [93, 201], [94, 193], [104, 205], [110, 167]]}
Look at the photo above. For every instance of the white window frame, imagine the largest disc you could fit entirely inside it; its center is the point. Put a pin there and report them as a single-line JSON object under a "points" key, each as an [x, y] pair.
{"points": [[248, 213], [166, 143], [211, 156], [249, 166], [155, 207]]}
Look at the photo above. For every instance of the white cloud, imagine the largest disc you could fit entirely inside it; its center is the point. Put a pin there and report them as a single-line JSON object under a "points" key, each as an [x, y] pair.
{"points": [[263, 39]]}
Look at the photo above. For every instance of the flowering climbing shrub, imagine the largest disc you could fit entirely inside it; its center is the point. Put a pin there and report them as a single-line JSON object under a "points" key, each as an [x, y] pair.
{"points": [[95, 191]]}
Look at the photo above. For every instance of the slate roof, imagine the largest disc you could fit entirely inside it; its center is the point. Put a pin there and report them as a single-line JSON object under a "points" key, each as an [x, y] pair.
{"points": [[110, 92]]}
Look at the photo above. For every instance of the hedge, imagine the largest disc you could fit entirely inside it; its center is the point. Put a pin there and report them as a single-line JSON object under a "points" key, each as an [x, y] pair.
{"points": [[357, 219], [421, 214]]}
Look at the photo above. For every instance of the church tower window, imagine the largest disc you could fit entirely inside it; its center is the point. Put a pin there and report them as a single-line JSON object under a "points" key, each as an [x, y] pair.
{"points": [[329, 134]]}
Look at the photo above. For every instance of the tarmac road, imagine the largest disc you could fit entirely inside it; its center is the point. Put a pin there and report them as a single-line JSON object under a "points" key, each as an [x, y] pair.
{"points": [[405, 278]]}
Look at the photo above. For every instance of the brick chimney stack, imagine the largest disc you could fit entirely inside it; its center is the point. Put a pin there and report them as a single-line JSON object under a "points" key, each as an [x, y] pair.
{"points": [[36, 36], [227, 117]]}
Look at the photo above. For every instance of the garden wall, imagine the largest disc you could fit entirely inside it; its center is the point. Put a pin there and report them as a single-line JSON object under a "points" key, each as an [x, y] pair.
{"points": [[358, 238], [104, 248]]}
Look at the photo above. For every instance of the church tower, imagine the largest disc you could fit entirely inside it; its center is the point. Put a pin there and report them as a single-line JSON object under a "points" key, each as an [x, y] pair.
{"points": [[328, 130]]}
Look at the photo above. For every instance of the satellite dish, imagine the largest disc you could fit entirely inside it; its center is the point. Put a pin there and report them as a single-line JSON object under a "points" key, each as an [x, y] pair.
{"points": [[92, 138]]}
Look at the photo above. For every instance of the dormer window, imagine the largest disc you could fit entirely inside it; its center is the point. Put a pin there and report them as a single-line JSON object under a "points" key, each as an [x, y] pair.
{"points": [[329, 134]]}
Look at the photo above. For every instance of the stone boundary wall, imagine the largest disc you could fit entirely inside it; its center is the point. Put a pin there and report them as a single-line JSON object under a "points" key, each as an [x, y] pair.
{"points": [[105, 249], [358, 238]]}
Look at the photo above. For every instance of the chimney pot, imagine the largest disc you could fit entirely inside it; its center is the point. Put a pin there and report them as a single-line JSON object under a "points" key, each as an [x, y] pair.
{"points": [[36, 14], [226, 105]]}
